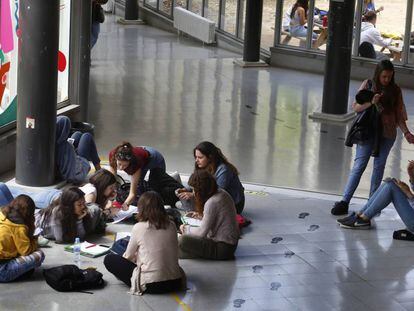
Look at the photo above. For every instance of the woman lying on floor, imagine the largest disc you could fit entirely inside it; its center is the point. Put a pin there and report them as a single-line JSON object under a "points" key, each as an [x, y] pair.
{"points": [[218, 234], [68, 217], [391, 191], [19, 255], [150, 263]]}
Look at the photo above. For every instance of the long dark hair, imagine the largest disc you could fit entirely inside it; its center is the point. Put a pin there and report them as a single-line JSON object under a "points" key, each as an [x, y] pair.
{"points": [[215, 156], [21, 211], [151, 209], [123, 152], [205, 186], [102, 179], [390, 92], [300, 3], [65, 212]]}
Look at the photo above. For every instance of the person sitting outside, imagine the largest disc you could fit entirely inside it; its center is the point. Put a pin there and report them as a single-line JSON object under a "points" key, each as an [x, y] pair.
{"points": [[218, 234], [391, 191], [369, 33]]}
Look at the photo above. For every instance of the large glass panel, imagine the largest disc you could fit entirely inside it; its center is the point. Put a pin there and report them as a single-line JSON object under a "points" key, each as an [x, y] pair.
{"points": [[320, 25], [8, 61], [390, 23], [298, 36], [213, 9], [268, 23], [181, 3], [196, 6], [411, 50], [165, 6], [152, 3], [64, 43], [229, 21], [242, 16]]}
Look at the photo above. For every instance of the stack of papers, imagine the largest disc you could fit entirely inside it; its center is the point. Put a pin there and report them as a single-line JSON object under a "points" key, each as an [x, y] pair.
{"points": [[122, 215]]}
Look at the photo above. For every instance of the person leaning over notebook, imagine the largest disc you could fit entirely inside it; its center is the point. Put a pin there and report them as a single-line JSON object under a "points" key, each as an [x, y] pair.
{"points": [[150, 262], [68, 217], [19, 255], [218, 234]]}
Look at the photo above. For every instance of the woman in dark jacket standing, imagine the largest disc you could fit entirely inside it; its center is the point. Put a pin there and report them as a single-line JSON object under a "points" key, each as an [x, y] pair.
{"points": [[388, 99]]}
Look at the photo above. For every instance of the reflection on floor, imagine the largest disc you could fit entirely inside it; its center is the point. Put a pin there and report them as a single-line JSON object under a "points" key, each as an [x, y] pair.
{"points": [[293, 257], [152, 88]]}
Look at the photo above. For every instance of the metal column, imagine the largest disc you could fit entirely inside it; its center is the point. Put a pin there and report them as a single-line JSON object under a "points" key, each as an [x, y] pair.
{"points": [[338, 57], [131, 9], [37, 92], [252, 30], [358, 19]]}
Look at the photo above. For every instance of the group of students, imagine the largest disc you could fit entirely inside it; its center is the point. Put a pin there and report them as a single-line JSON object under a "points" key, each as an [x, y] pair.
{"points": [[150, 264]]}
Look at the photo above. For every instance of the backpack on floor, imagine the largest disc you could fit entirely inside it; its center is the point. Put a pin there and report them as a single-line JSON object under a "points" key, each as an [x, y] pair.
{"points": [[68, 278]]}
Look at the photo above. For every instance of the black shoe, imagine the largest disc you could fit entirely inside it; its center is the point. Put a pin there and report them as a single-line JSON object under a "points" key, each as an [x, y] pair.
{"points": [[347, 218], [403, 235], [357, 223], [340, 208]]}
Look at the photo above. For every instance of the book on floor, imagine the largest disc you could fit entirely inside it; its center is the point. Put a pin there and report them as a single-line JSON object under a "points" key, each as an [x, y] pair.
{"points": [[90, 249]]}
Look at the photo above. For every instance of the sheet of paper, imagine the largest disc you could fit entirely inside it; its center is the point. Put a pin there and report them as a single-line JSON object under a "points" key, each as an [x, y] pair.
{"points": [[121, 215], [192, 221], [121, 235]]}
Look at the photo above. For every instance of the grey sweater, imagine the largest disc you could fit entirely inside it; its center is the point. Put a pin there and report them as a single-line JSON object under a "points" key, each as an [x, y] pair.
{"points": [[219, 219]]}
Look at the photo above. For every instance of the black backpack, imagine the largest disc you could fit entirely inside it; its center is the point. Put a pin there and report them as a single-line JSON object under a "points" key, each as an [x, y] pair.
{"points": [[69, 278]]}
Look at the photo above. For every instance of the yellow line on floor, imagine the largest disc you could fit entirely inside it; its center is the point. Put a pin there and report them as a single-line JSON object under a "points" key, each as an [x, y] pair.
{"points": [[180, 302]]}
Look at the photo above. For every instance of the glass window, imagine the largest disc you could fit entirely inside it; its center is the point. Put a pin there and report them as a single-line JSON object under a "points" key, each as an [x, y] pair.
{"points": [[165, 6], [411, 49], [181, 3], [229, 22], [63, 55], [293, 32], [320, 25], [268, 24], [389, 22], [242, 16], [196, 6], [152, 3], [8, 62], [212, 12]]}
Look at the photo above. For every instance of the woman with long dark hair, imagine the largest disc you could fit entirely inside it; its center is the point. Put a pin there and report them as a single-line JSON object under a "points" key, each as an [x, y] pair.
{"points": [[388, 101], [135, 161], [217, 237], [298, 19], [68, 217], [150, 262], [19, 255], [209, 157]]}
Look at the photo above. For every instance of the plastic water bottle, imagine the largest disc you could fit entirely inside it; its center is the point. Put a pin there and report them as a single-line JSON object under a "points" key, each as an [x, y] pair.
{"points": [[76, 252]]}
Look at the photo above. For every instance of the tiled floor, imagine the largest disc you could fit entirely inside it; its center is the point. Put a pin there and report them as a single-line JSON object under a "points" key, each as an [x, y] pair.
{"points": [[149, 87]]}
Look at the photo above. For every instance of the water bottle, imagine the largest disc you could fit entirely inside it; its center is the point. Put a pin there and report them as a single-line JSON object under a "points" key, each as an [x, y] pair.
{"points": [[76, 252]]}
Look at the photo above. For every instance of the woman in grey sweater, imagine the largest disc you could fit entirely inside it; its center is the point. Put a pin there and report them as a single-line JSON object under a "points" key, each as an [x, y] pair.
{"points": [[68, 217], [218, 234]]}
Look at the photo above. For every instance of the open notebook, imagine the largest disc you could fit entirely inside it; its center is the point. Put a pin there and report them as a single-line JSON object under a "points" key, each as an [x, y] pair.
{"points": [[90, 249]]}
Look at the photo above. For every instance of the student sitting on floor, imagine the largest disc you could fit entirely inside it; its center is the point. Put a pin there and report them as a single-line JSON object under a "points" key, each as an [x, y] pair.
{"points": [[150, 263], [209, 157], [135, 161], [18, 247], [68, 217], [218, 234], [391, 191], [72, 158]]}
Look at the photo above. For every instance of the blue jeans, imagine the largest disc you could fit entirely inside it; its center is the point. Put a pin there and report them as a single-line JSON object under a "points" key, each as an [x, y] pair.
{"points": [[41, 199], [156, 160], [12, 269], [95, 29], [363, 153], [301, 31], [388, 193], [5, 195], [85, 147]]}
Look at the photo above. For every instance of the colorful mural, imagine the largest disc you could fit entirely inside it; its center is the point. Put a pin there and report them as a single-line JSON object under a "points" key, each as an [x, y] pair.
{"points": [[8, 60], [9, 32]]}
